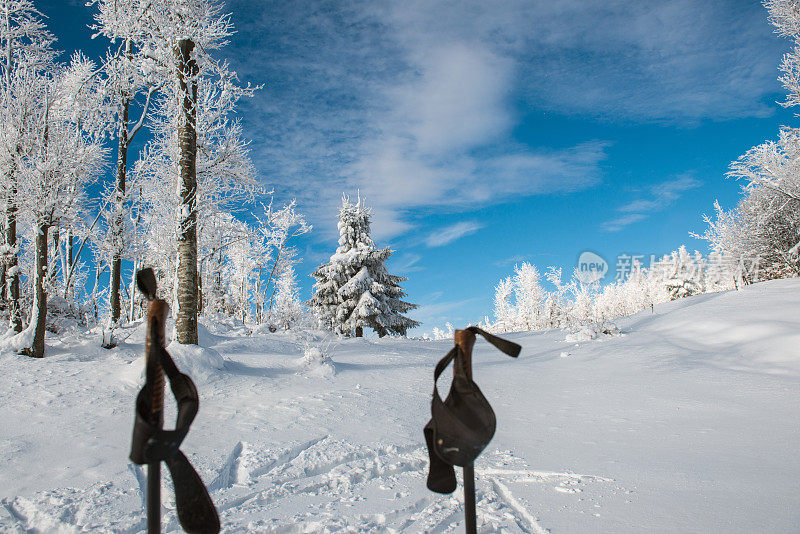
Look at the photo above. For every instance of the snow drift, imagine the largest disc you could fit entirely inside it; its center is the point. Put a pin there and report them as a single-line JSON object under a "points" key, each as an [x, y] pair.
{"points": [[688, 422]]}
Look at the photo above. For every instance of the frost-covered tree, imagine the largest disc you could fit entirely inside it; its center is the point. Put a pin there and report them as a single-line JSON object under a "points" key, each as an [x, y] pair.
{"points": [[27, 51], [176, 38], [243, 258], [682, 273], [287, 308], [354, 289], [65, 156], [762, 232], [519, 299], [785, 16], [504, 312], [128, 72], [279, 226], [522, 303]]}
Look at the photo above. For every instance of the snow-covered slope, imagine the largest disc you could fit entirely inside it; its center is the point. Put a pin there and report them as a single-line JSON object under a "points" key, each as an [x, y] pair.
{"points": [[687, 422]]}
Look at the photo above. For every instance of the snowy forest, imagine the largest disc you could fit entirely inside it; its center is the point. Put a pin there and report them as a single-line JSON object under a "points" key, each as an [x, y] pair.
{"points": [[190, 203], [176, 205]]}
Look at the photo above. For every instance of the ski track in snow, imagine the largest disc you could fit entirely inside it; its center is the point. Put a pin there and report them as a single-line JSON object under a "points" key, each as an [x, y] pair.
{"points": [[339, 485]]}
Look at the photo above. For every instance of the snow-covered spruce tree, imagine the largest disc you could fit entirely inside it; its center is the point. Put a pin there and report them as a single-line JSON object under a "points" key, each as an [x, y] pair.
{"points": [[354, 290]]}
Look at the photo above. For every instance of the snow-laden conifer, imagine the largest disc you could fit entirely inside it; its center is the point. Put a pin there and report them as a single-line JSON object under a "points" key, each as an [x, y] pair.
{"points": [[354, 289]]}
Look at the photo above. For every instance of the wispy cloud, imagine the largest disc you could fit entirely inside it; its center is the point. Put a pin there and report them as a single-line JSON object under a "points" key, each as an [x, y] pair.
{"points": [[448, 234], [617, 224], [515, 259], [435, 313], [407, 263], [673, 61], [416, 102], [662, 196]]}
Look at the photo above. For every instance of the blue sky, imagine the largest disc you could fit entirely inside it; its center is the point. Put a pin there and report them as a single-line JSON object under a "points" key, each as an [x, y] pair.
{"points": [[488, 133]]}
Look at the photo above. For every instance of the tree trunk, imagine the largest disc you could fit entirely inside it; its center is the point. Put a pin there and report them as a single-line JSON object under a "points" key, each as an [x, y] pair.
{"points": [[200, 288], [3, 296], [70, 244], [132, 309], [117, 231], [359, 331], [259, 305], [97, 272], [52, 274], [12, 274], [39, 312], [186, 314]]}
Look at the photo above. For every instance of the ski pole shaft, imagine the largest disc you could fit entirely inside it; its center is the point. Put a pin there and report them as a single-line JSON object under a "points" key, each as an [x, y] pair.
{"points": [[154, 498], [154, 468], [155, 338], [465, 340], [469, 499]]}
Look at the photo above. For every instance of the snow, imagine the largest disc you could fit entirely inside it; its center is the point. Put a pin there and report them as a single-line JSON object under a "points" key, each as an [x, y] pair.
{"points": [[685, 423], [200, 363], [591, 331]]}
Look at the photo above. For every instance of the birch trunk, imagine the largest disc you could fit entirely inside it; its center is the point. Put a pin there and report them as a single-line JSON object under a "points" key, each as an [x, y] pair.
{"points": [[70, 244], [39, 312], [186, 313], [116, 236], [12, 273], [132, 310]]}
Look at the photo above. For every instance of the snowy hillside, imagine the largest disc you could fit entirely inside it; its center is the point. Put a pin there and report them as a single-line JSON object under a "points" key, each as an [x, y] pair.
{"points": [[686, 422]]}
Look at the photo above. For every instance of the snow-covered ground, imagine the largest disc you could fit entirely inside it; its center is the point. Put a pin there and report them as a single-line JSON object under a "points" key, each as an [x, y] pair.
{"points": [[688, 421]]}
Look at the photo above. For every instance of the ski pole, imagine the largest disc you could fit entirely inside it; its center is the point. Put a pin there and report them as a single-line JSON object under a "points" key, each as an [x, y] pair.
{"points": [[156, 319], [151, 444], [462, 425], [466, 340]]}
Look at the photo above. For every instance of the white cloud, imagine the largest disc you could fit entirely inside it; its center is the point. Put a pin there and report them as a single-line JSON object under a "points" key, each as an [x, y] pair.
{"points": [[448, 234], [677, 61], [515, 259], [434, 313], [415, 102], [615, 225], [457, 101], [407, 263]]}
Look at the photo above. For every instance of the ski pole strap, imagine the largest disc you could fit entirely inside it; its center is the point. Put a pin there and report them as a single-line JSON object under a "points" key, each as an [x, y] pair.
{"points": [[153, 444], [195, 509], [503, 345]]}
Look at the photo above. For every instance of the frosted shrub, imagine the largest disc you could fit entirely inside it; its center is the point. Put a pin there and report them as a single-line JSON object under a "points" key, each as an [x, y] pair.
{"points": [[316, 362]]}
